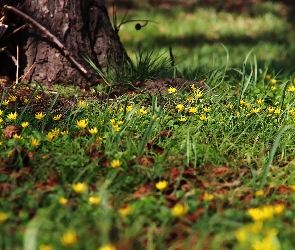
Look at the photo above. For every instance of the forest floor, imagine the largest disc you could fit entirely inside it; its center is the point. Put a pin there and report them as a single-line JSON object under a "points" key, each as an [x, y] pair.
{"points": [[195, 157]]}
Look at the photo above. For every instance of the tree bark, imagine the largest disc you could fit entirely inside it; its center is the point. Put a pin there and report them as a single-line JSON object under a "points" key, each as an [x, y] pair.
{"points": [[82, 26]]}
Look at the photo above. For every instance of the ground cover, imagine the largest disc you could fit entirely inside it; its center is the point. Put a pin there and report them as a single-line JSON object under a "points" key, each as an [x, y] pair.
{"points": [[200, 160], [185, 166]]}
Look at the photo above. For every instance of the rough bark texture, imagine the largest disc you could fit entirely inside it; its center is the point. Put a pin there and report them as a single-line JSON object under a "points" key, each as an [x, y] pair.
{"points": [[83, 26]]}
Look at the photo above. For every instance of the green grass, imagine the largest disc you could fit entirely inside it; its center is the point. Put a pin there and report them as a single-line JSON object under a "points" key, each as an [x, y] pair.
{"points": [[197, 35], [192, 169]]}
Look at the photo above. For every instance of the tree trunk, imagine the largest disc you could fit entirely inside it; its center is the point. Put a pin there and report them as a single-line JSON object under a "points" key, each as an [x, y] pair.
{"points": [[82, 26]]}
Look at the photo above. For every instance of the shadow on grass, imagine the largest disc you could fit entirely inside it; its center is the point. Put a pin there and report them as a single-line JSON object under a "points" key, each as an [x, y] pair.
{"points": [[284, 62]]}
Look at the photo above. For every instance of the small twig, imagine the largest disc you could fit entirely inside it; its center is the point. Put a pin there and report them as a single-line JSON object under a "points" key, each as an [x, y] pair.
{"points": [[24, 76], [15, 31], [135, 20], [49, 35], [17, 64], [10, 55], [122, 21]]}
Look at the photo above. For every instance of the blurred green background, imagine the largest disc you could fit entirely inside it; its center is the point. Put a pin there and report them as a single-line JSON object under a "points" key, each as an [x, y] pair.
{"points": [[198, 31]]}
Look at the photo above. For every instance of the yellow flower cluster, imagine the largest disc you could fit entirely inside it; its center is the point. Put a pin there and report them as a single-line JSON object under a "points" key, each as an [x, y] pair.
{"points": [[257, 237], [266, 212]]}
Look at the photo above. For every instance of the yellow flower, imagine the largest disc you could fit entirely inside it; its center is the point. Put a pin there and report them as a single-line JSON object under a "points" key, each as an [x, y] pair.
{"points": [[242, 235], [273, 81], [34, 142], [279, 209], [268, 243], [291, 89], [180, 107], [12, 116], [276, 103], [125, 211], [116, 128], [93, 131], [179, 210], [208, 197], [259, 193], [69, 238], [204, 118], [5, 102], [55, 131], [192, 110], [182, 119], [120, 122], [79, 187], [37, 97], [45, 247], [16, 136], [24, 124], [242, 102], [82, 123], [113, 121], [12, 98], [247, 104], [256, 110], [270, 109], [94, 200], [1, 112], [237, 114], [40, 115], [81, 104], [190, 99], [199, 95], [161, 185], [107, 247], [63, 200], [26, 100], [207, 110], [65, 132], [115, 163], [172, 90], [57, 117], [277, 111], [142, 111], [273, 88], [255, 227], [267, 77], [259, 101], [129, 108], [3, 217], [50, 136], [292, 112], [229, 106]]}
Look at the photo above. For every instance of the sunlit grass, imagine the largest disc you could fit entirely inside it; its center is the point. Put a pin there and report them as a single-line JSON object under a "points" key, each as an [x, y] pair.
{"points": [[196, 36]]}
